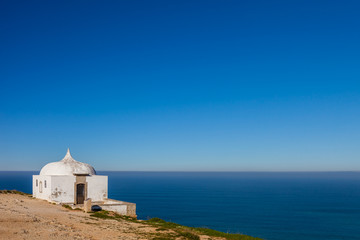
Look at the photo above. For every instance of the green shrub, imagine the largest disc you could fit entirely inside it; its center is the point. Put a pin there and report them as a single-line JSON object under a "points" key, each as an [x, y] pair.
{"points": [[189, 235], [230, 236], [102, 214], [14, 192], [67, 206]]}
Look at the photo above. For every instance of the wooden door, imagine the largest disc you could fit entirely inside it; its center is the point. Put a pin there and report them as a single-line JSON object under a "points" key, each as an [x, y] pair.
{"points": [[80, 193]]}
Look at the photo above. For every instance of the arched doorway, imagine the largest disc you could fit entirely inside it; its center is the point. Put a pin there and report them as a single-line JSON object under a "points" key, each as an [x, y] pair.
{"points": [[80, 193]]}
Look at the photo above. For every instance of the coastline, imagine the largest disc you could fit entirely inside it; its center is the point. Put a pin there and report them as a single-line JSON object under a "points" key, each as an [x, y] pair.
{"points": [[26, 217]]}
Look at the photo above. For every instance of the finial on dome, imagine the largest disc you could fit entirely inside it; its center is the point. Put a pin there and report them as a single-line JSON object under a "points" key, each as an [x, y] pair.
{"points": [[68, 156]]}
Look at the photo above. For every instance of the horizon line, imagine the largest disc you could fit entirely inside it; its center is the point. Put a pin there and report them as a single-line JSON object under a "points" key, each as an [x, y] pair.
{"points": [[206, 171]]}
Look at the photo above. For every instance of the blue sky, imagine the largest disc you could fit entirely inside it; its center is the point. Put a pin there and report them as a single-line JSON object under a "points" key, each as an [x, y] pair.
{"points": [[181, 85]]}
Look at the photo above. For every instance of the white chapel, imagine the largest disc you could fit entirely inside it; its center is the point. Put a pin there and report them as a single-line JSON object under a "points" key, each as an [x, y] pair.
{"points": [[71, 182]]}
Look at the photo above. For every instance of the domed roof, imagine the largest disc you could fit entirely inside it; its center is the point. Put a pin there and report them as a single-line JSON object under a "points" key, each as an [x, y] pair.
{"points": [[67, 166]]}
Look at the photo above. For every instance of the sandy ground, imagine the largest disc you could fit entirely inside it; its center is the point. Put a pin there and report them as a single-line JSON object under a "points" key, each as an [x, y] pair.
{"points": [[23, 217]]}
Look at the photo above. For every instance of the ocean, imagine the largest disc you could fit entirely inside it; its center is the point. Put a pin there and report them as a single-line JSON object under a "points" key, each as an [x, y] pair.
{"points": [[272, 206]]}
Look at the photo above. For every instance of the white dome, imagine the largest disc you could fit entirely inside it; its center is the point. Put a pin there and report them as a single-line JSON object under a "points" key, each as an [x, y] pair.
{"points": [[67, 166]]}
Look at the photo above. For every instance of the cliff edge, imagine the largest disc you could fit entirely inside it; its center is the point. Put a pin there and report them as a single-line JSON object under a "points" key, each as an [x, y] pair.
{"points": [[23, 217]]}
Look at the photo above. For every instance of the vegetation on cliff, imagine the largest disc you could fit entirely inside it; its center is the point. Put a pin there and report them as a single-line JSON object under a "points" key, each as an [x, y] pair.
{"points": [[191, 233], [14, 192]]}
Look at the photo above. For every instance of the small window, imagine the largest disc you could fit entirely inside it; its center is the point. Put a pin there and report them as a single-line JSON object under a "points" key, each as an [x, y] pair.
{"points": [[45, 184], [37, 183], [40, 186]]}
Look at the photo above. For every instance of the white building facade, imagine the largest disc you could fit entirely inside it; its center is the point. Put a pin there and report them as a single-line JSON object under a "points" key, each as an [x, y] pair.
{"points": [[69, 182]]}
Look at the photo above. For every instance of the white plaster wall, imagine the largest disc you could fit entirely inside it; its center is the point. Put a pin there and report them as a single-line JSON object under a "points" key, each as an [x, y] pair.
{"points": [[97, 187], [46, 191], [120, 209], [62, 189], [34, 188]]}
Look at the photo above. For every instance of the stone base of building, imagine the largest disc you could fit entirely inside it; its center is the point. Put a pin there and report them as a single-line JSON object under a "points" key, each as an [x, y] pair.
{"points": [[119, 207]]}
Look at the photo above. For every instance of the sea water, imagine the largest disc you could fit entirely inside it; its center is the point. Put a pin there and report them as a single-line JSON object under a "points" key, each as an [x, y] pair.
{"points": [[273, 206]]}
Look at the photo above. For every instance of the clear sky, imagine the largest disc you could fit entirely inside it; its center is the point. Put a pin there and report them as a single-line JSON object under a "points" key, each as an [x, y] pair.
{"points": [[181, 85]]}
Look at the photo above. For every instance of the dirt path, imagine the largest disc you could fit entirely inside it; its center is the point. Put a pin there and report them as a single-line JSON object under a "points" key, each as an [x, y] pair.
{"points": [[23, 217]]}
